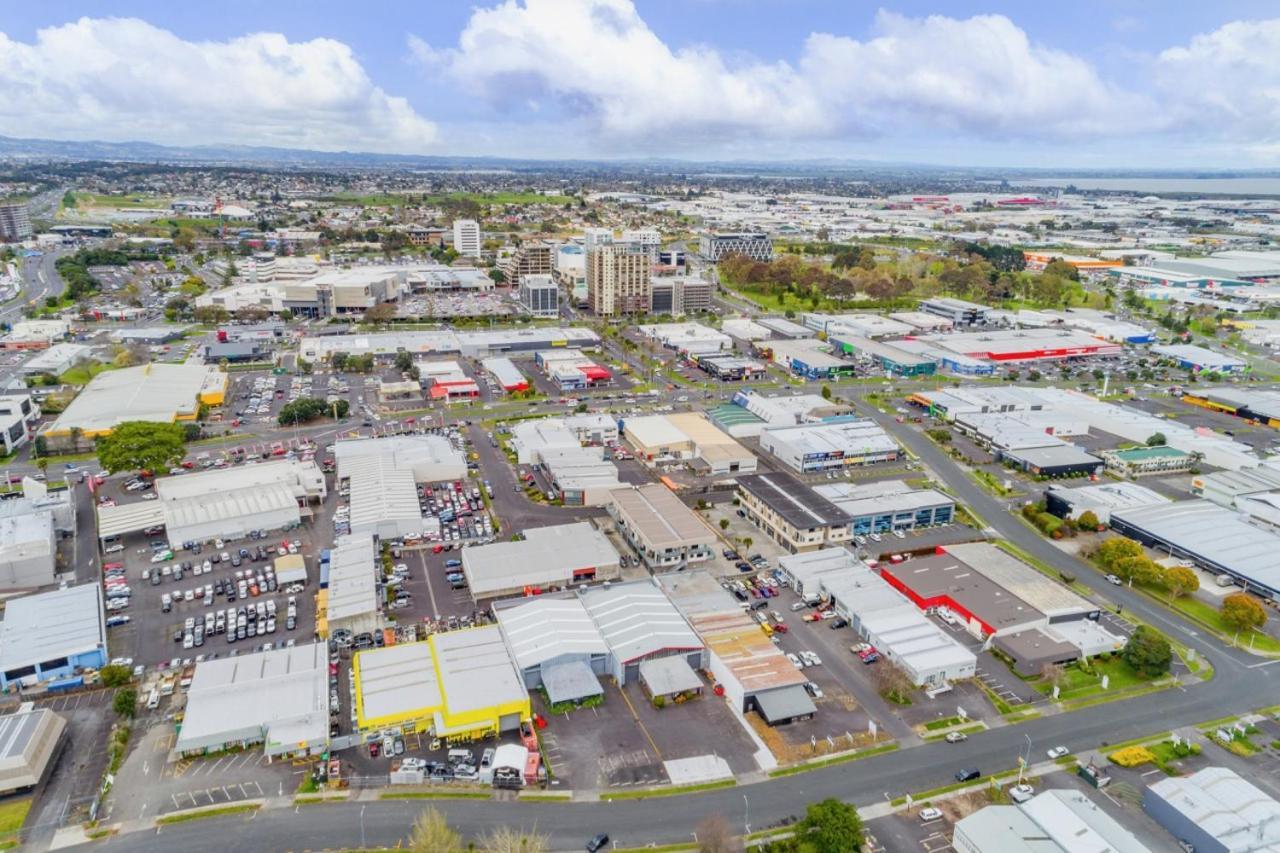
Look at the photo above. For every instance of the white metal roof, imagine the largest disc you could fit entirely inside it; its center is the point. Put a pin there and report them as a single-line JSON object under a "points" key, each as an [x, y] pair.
{"points": [[152, 392], [281, 692], [476, 670], [546, 556], [51, 625], [1238, 814], [352, 582], [637, 619], [547, 627], [396, 679]]}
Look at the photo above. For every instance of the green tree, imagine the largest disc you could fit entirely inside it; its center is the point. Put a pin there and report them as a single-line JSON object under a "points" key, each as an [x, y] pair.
{"points": [[383, 312], [1180, 581], [137, 445], [404, 361], [498, 276], [724, 524], [826, 392], [1117, 548], [1148, 652], [301, 411], [1157, 439], [1242, 612], [114, 675], [125, 702], [1088, 520], [831, 826], [338, 361]]}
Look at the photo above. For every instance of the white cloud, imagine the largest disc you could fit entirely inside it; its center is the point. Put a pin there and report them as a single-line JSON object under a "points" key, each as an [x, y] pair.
{"points": [[1226, 81], [124, 79], [599, 60]]}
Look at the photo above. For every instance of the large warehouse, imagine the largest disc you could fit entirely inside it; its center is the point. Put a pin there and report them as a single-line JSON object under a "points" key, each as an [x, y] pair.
{"points": [[581, 476], [350, 601], [1018, 345], [547, 557], [1215, 810], [279, 699], [791, 513], [475, 344], [30, 742], [1214, 537], [639, 623], [555, 644], [755, 674], [881, 615], [383, 474], [224, 503], [52, 636], [1197, 358], [662, 528], [162, 393], [459, 686], [687, 437], [830, 446], [1099, 498]]}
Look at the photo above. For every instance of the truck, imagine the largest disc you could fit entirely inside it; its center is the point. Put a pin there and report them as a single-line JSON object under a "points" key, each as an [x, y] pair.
{"points": [[166, 685], [188, 673]]}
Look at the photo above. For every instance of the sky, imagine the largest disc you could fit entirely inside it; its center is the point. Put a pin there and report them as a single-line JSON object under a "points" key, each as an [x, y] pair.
{"points": [[1087, 84]]}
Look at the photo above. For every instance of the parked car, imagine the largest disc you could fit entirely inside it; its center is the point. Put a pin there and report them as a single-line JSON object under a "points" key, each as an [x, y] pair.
{"points": [[956, 737]]}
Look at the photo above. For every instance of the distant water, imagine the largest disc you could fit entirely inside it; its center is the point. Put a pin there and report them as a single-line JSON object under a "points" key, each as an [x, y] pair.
{"points": [[1155, 186]]}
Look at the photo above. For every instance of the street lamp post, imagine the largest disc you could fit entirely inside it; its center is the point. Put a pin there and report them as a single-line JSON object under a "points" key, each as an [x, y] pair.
{"points": [[746, 820], [1026, 760]]}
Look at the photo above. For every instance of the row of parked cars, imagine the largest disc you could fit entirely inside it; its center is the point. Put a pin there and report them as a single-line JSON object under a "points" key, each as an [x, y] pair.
{"points": [[241, 623]]}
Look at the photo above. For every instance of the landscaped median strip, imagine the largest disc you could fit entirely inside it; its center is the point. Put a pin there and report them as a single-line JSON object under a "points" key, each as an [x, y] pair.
{"points": [[646, 793], [200, 814], [818, 764]]}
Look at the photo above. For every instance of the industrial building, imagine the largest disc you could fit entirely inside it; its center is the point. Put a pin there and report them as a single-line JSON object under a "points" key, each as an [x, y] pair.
{"points": [[52, 636], [57, 359], [162, 393], [546, 558], [1212, 536], [458, 686], [593, 428], [475, 344], [754, 673], [555, 644], [446, 380], [1198, 358], [350, 601], [957, 311], [639, 623], [831, 446], [1099, 498], [1053, 821], [1020, 345], [383, 473], [1134, 462], [689, 339], [791, 513], [1225, 488], [1262, 405], [665, 532], [880, 615], [570, 370], [30, 741], [745, 329], [1215, 810], [888, 505], [784, 328], [810, 359], [749, 412], [687, 437], [731, 368], [856, 325], [889, 357], [277, 698], [580, 476], [922, 321], [991, 594], [1063, 460], [506, 374]]}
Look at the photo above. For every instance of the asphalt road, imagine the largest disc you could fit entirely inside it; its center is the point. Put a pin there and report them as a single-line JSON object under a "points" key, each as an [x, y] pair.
{"points": [[1241, 683]]}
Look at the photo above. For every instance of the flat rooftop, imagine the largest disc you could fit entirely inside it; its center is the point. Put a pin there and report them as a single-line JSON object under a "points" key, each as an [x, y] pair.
{"points": [[396, 679], [50, 625], [660, 518], [798, 504], [941, 575], [476, 670], [546, 556]]}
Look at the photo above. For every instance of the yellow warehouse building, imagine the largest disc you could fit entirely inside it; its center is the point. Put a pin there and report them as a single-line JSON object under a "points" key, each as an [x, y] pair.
{"points": [[458, 686]]}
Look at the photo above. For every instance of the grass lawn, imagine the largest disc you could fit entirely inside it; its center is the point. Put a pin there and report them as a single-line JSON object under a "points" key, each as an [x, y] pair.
{"points": [[13, 814], [82, 373], [1077, 683], [669, 792], [120, 202], [943, 723], [225, 810], [1207, 614]]}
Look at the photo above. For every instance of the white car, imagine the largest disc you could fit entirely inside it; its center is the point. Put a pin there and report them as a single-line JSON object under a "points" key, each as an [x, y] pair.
{"points": [[795, 661], [1058, 752], [1021, 793], [930, 814]]}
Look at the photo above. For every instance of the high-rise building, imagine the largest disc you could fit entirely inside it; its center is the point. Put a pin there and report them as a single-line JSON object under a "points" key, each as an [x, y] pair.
{"points": [[466, 237], [533, 258], [679, 294], [618, 278], [647, 237], [755, 245], [15, 222], [540, 295]]}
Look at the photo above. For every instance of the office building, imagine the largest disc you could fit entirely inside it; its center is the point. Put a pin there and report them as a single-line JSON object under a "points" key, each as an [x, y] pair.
{"points": [[755, 245], [466, 238], [1099, 498], [888, 505], [835, 445], [791, 513], [15, 222], [662, 528], [678, 295], [1142, 461], [535, 257], [957, 311], [618, 279], [540, 295]]}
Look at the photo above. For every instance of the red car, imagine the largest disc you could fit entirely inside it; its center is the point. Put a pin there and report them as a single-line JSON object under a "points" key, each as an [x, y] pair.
{"points": [[111, 567], [436, 549], [375, 747]]}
